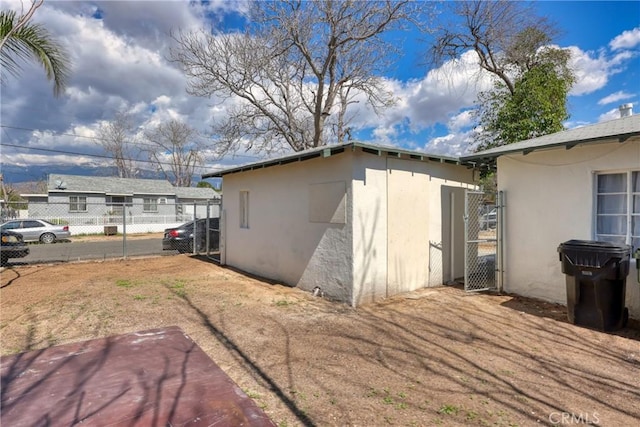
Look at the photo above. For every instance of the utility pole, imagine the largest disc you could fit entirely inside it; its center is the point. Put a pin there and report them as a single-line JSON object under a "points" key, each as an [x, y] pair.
{"points": [[4, 199]]}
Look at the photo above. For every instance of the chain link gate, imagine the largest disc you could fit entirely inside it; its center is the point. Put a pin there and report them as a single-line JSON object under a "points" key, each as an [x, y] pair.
{"points": [[213, 223], [206, 238], [481, 242]]}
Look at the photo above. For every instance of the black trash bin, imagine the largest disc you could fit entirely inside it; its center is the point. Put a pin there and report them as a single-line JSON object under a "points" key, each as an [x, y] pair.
{"points": [[596, 276]]}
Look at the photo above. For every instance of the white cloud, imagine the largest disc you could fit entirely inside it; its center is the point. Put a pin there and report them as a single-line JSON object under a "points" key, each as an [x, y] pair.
{"points": [[119, 51], [453, 144], [609, 115], [615, 97], [592, 73], [422, 103], [464, 120], [627, 40]]}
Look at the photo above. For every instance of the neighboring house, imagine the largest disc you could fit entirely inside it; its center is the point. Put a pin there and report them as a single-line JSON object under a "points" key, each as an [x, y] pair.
{"points": [[582, 183], [84, 201], [361, 222]]}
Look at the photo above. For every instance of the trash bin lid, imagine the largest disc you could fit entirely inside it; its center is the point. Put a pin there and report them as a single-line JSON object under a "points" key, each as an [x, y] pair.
{"points": [[595, 246]]}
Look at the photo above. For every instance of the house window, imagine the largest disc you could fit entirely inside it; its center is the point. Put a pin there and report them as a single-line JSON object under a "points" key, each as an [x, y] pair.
{"points": [[117, 203], [244, 209], [149, 205], [618, 208], [77, 203]]}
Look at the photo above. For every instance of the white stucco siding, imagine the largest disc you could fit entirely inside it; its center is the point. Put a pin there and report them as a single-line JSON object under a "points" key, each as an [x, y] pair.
{"points": [[446, 221], [408, 210], [369, 228], [285, 241], [398, 211], [549, 200]]}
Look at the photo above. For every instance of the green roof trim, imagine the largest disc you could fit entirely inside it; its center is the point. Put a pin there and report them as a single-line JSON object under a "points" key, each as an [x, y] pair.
{"points": [[332, 150]]}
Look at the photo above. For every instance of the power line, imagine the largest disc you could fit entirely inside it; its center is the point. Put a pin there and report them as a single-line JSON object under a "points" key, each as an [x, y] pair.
{"points": [[95, 138], [72, 153]]}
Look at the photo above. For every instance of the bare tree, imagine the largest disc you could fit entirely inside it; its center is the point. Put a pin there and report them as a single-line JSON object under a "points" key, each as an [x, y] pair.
{"points": [[175, 150], [295, 70], [117, 138], [531, 76], [506, 35]]}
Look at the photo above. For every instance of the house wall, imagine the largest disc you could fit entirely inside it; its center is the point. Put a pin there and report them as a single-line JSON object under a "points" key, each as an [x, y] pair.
{"points": [[549, 199], [299, 229], [58, 204], [99, 214], [200, 208]]}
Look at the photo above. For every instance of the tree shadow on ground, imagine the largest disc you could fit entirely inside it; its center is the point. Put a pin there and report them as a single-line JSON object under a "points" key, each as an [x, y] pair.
{"points": [[558, 312], [154, 377], [245, 360]]}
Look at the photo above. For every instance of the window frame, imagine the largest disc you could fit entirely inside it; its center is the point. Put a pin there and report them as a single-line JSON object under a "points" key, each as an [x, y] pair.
{"points": [[74, 206], [630, 215], [149, 205]]}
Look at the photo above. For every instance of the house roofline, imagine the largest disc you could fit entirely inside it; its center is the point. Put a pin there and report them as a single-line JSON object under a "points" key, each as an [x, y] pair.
{"points": [[484, 157], [34, 195], [330, 150], [110, 193], [618, 130]]}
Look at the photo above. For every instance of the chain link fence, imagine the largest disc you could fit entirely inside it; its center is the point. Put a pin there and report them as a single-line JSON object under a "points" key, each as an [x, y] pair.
{"points": [[91, 230], [481, 226]]}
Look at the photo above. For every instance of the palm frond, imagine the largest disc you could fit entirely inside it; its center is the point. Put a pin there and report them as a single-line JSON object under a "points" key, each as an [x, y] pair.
{"points": [[32, 41]]}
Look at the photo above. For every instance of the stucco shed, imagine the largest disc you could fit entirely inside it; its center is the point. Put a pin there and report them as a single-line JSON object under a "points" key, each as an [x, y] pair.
{"points": [[582, 183], [361, 222]]}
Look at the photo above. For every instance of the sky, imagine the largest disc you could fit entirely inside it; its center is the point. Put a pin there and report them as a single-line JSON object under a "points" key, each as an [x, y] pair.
{"points": [[119, 52]]}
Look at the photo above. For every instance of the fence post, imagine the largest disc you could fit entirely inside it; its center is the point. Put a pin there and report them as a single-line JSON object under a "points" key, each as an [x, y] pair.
{"points": [[195, 228], [208, 230], [500, 204], [124, 231]]}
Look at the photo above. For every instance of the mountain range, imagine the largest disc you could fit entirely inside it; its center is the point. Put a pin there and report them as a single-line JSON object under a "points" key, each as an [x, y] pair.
{"points": [[13, 174]]}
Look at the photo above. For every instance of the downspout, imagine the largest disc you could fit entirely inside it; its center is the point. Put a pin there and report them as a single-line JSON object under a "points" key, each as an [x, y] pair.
{"points": [[223, 234], [500, 237]]}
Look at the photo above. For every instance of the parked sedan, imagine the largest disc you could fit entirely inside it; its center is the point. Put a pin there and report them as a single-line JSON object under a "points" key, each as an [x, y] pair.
{"points": [[37, 230], [181, 238], [489, 221], [13, 246]]}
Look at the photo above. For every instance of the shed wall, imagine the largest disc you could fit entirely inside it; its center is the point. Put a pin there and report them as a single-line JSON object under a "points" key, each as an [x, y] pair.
{"points": [[292, 237], [370, 228], [399, 217], [357, 225], [549, 200]]}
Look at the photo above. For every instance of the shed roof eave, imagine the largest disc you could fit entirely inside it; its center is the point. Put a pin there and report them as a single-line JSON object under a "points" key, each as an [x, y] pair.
{"points": [[330, 150]]}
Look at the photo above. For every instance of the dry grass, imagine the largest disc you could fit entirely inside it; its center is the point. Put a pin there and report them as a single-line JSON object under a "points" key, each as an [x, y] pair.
{"points": [[434, 357]]}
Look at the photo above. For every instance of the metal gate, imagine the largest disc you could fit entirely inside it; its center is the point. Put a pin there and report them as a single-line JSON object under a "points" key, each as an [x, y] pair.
{"points": [[213, 216], [481, 240], [208, 229]]}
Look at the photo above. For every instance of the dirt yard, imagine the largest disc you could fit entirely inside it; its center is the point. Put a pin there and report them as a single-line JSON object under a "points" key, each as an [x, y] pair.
{"points": [[433, 357]]}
